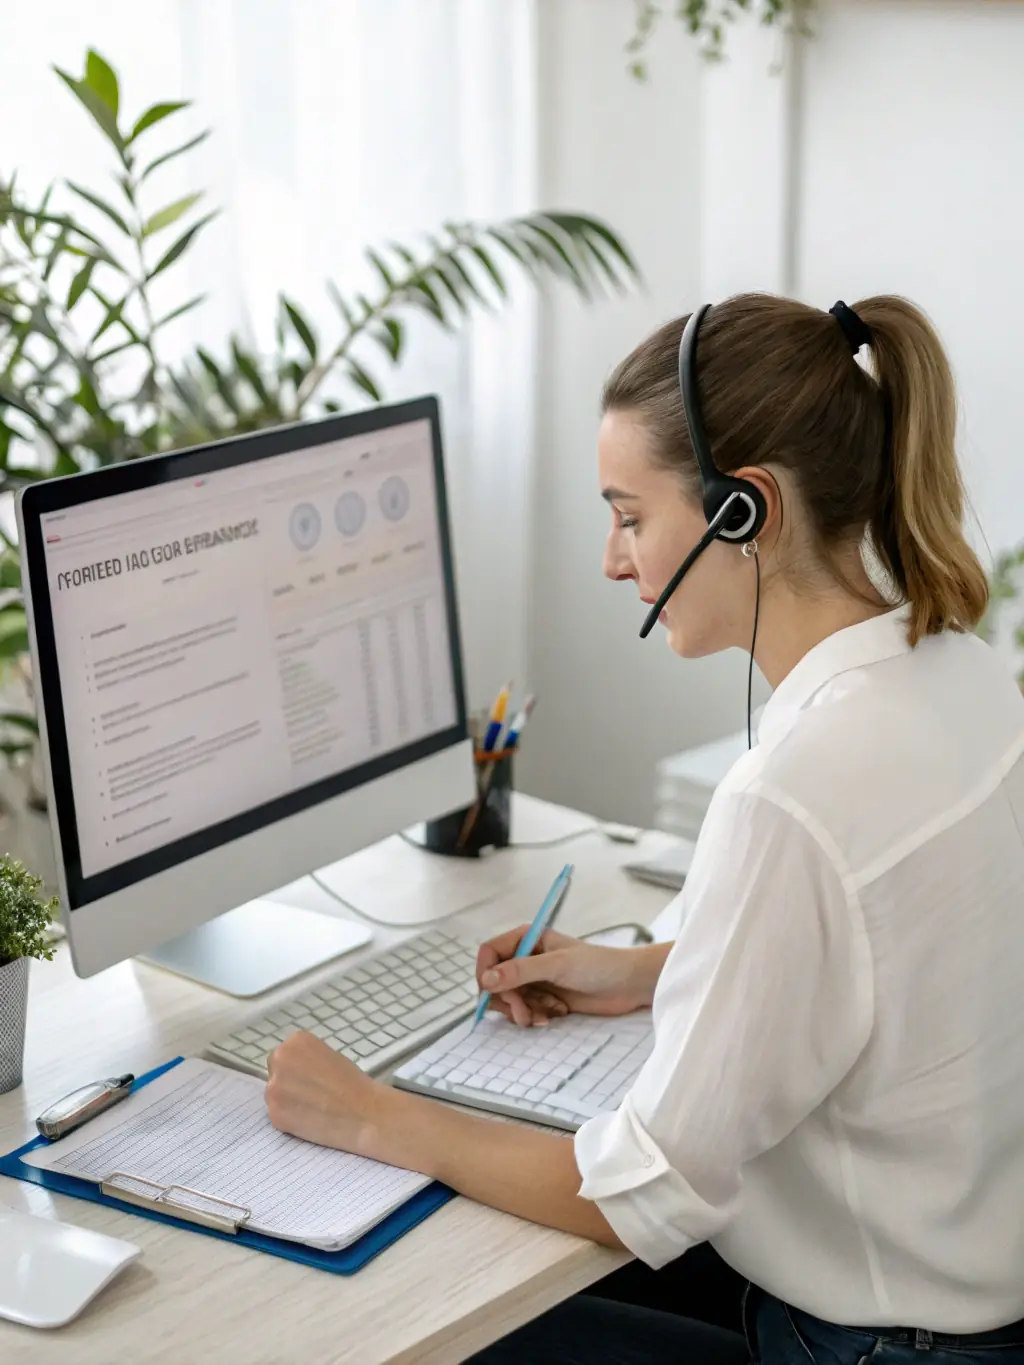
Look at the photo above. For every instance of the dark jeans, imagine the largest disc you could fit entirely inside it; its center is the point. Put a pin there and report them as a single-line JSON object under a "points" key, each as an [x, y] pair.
{"points": [[593, 1331]]}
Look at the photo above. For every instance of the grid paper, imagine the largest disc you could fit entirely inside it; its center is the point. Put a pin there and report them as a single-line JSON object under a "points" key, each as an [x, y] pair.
{"points": [[203, 1126]]}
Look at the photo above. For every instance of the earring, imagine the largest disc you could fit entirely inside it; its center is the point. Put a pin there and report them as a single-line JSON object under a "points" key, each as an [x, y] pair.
{"points": [[750, 549]]}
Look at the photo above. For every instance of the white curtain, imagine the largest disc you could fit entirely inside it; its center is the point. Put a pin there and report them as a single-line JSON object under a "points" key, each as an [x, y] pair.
{"points": [[338, 124]]}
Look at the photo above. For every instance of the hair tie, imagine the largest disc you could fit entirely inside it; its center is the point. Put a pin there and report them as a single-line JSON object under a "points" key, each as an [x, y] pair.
{"points": [[855, 329]]}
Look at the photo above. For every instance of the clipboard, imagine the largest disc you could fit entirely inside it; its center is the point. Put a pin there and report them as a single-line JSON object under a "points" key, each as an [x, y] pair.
{"points": [[217, 1218]]}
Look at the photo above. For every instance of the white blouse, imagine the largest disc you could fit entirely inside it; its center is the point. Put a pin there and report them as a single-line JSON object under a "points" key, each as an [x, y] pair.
{"points": [[836, 1094]]}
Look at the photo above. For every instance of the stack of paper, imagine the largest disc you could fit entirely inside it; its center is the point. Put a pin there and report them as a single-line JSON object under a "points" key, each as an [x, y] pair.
{"points": [[205, 1128], [686, 783]]}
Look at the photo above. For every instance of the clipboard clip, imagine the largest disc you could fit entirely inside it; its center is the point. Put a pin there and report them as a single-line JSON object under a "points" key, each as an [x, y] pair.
{"points": [[126, 1187]]}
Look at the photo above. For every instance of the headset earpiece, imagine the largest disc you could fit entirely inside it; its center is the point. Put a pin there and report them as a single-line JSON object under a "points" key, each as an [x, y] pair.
{"points": [[750, 511]]}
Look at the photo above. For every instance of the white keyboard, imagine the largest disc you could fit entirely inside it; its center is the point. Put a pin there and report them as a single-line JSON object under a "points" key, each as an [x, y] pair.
{"points": [[560, 1075], [374, 1013]]}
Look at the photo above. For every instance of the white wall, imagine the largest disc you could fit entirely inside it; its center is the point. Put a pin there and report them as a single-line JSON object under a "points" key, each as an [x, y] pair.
{"points": [[611, 705], [912, 133]]}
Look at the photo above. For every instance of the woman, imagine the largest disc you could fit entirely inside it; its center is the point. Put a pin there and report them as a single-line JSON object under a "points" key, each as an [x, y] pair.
{"points": [[835, 1098]]}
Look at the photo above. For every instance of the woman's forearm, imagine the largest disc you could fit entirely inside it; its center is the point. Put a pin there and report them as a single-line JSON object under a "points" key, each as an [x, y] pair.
{"points": [[505, 1165]]}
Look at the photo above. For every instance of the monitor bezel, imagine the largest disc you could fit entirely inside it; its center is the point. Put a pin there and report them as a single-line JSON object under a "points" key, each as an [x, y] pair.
{"points": [[42, 499]]}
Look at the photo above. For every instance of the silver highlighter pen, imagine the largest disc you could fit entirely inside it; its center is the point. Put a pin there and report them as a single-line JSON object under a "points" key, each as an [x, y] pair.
{"points": [[82, 1105]]}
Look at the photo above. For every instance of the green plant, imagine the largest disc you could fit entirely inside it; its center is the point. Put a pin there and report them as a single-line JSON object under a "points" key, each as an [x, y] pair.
{"points": [[83, 379], [1005, 585], [24, 915], [708, 20]]}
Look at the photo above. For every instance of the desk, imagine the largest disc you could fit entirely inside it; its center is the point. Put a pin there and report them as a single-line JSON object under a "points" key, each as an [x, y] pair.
{"points": [[462, 1279]]}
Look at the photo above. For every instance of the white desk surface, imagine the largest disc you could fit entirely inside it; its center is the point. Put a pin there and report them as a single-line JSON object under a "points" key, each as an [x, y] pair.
{"points": [[462, 1279]]}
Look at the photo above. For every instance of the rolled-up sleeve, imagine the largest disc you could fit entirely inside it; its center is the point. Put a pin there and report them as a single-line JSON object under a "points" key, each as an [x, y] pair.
{"points": [[763, 1006]]}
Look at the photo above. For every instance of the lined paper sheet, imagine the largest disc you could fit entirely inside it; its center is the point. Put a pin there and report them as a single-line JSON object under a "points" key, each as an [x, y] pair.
{"points": [[206, 1127]]}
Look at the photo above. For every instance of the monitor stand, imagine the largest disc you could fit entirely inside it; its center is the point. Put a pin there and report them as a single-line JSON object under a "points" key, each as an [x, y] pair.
{"points": [[258, 946]]}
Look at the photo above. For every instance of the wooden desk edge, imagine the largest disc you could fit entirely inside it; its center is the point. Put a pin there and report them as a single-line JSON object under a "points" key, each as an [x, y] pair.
{"points": [[528, 1300]]}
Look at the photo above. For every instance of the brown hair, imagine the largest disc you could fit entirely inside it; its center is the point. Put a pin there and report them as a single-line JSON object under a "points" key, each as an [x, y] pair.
{"points": [[870, 455]]}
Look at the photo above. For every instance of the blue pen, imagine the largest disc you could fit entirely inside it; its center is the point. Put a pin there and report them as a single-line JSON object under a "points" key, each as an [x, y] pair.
{"points": [[543, 919], [518, 725]]}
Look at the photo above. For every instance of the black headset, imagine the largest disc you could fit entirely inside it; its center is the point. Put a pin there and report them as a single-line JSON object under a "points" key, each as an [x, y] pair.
{"points": [[734, 509]]}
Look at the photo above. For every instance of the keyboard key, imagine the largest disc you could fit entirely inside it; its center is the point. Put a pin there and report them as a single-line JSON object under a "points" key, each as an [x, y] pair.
{"points": [[433, 1009], [622, 1075], [579, 1106], [603, 1088], [468, 1092]]}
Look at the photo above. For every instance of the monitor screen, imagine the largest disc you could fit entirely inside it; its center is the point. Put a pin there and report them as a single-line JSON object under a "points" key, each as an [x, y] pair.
{"points": [[256, 630]]}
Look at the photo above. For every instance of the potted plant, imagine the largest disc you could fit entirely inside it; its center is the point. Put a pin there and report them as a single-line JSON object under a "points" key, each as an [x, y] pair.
{"points": [[24, 923]]}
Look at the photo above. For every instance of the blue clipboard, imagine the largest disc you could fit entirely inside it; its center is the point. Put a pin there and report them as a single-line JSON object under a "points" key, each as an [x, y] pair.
{"points": [[344, 1262]]}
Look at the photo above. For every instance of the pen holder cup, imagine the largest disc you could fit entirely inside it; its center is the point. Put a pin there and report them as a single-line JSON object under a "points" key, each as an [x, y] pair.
{"points": [[487, 822]]}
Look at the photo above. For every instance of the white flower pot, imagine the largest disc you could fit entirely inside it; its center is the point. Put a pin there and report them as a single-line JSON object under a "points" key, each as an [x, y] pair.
{"points": [[13, 1009]]}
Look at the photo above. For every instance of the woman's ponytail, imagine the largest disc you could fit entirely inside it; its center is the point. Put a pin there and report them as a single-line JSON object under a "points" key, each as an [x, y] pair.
{"points": [[917, 530]]}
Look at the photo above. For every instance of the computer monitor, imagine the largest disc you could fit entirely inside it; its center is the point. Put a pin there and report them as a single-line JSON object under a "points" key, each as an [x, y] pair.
{"points": [[247, 664]]}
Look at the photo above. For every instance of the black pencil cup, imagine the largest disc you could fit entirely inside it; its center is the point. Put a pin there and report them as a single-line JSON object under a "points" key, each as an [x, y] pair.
{"points": [[487, 822]]}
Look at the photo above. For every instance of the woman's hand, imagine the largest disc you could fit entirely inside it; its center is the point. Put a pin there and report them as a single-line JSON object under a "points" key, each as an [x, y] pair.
{"points": [[314, 1093], [565, 975]]}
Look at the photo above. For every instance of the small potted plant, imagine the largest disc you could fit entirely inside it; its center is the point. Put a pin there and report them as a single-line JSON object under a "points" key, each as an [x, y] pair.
{"points": [[25, 918]]}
